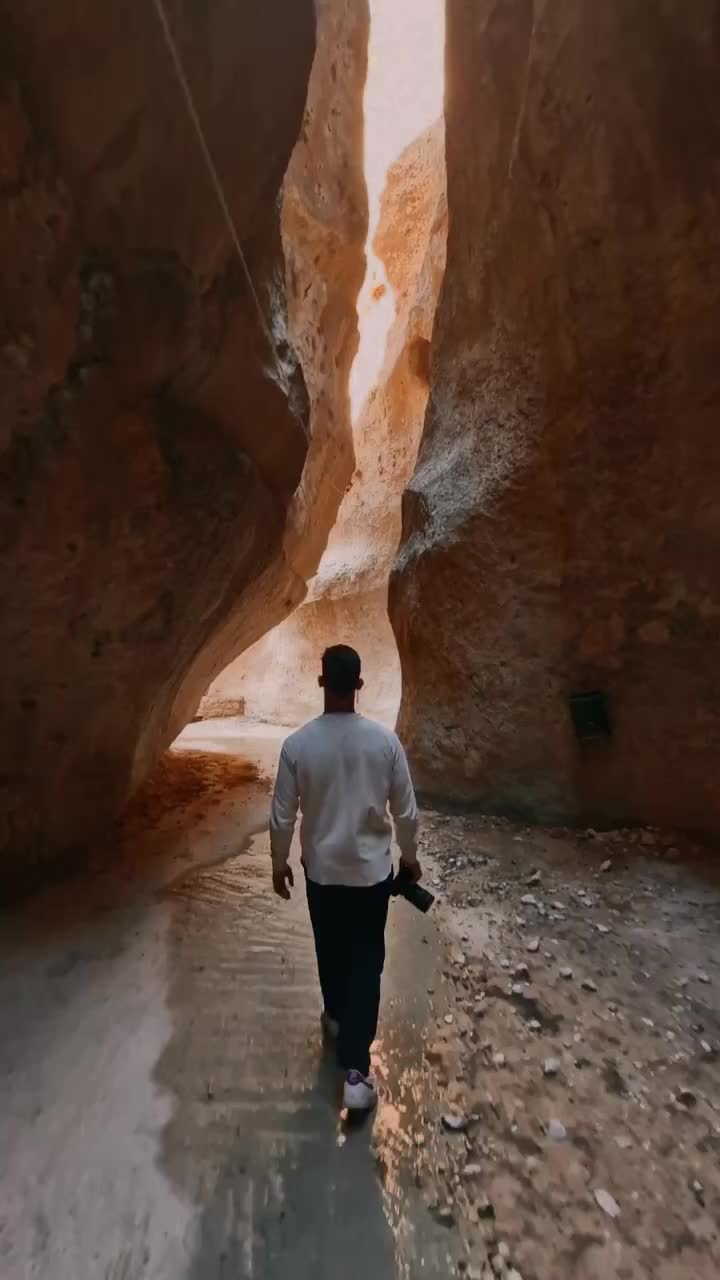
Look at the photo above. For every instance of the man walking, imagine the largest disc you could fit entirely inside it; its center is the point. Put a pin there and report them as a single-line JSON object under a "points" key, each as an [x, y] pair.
{"points": [[343, 771]]}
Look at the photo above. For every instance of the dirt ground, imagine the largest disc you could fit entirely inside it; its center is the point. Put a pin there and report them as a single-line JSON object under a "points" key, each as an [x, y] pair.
{"points": [[168, 1110], [546, 1060], [578, 1057]]}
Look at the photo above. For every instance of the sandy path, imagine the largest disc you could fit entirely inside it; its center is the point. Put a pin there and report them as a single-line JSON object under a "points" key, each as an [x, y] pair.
{"points": [[166, 1107]]}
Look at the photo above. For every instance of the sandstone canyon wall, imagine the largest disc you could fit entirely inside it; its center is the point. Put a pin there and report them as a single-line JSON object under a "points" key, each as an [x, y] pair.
{"points": [[154, 416], [324, 224], [347, 598], [561, 533], [405, 173]]}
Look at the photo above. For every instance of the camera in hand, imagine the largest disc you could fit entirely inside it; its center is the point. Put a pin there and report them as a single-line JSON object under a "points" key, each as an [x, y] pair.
{"points": [[403, 886]]}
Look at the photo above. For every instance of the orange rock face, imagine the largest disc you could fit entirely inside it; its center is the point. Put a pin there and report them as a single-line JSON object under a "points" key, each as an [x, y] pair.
{"points": [[561, 533], [325, 220], [154, 415], [347, 597]]}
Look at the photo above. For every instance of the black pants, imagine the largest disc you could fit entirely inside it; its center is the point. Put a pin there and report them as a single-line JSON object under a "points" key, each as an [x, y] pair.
{"points": [[349, 928]]}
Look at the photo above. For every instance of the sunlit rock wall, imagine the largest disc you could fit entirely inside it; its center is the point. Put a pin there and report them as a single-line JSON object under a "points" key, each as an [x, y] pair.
{"points": [[405, 171], [562, 530]]}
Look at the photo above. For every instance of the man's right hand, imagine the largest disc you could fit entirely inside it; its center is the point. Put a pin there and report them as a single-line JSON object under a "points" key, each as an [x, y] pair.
{"points": [[282, 878], [412, 870]]}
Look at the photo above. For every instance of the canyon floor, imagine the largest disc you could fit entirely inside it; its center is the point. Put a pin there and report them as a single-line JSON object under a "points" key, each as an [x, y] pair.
{"points": [[547, 1060]]}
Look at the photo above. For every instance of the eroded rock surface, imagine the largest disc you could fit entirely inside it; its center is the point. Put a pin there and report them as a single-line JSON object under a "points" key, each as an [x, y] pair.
{"points": [[562, 528], [154, 415], [347, 598], [325, 220]]}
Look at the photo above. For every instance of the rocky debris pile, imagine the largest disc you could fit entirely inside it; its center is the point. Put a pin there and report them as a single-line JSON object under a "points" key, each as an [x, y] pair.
{"points": [[181, 778], [578, 1116]]}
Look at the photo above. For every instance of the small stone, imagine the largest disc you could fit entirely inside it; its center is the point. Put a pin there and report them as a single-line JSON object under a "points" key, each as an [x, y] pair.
{"points": [[704, 977], [504, 1250], [602, 928], [534, 1025], [485, 1208], [623, 1142], [472, 1171], [504, 964], [498, 1059], [521, 973], [453, 1122], [551, 1067], [535, 878], [458, 958], [518, 989], [698, 1191], [566, 973], [607, 865], [588, 984], [707, 1048], [498, 1265], [449, 1019], [556, 1131], [533, 945], [445, 1215], [685, 1097], [529, 900], [607, 1203]]}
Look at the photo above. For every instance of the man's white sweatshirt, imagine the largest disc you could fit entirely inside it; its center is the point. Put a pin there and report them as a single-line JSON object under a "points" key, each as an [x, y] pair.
{"points": [[343, 772]]}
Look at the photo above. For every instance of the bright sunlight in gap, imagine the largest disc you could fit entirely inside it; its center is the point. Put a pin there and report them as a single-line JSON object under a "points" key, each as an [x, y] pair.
{"points": [[403, 97]]}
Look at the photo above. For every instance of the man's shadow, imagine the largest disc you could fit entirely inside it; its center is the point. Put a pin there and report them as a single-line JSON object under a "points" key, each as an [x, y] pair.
{"points": [[317, 1210]]}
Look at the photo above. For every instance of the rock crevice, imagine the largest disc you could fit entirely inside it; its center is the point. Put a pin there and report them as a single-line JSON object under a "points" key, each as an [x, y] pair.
{"points": [[389, 384]]}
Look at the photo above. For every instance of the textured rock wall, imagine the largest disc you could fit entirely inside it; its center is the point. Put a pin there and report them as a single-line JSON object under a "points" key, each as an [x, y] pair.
{"points": [[404, 171], [325, 220], [562, 529], [154, 425], [347, 599]]}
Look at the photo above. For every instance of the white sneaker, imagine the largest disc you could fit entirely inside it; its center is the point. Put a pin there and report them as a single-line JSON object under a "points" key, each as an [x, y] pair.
{"points": [[359, 1093], [331, 1028]]}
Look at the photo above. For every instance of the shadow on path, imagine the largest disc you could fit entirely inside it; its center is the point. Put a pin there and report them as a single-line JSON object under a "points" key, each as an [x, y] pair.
{"points": [[255, 1137]]}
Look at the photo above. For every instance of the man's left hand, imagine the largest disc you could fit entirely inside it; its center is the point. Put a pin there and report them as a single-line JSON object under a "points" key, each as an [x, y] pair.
{"points": [[412, 870]]}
